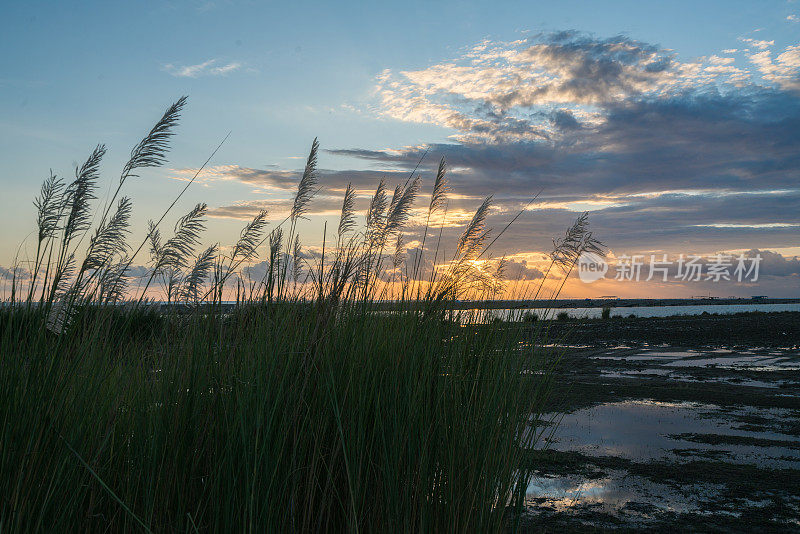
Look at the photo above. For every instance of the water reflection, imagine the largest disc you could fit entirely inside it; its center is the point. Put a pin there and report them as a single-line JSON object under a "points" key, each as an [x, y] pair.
{"points": [[643, 430], [614, 490]]}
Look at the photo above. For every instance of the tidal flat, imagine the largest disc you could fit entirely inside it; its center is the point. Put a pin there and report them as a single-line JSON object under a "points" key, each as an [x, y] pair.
{"points": [[699, 434]]}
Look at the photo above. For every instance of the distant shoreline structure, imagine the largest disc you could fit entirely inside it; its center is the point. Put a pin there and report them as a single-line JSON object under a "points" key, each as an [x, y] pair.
{"points": [[606, 303]]}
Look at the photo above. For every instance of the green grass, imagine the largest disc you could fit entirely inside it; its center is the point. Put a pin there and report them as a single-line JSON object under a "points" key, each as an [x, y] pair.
{"points": [[283, 417]]}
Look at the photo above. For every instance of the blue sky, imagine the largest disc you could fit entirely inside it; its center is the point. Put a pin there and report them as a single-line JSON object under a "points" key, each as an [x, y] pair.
{"points": [[377, 81]]}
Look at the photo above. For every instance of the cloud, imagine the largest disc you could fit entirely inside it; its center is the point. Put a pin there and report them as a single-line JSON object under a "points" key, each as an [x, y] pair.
{"points": [[520, 270], [658, 149], [210, 67], [777, 275], [717, 60], [775, 264], [682, 155], [19, 273], [277, 209], [283, 181], [510, 91], [784, 70], [756, 43]]}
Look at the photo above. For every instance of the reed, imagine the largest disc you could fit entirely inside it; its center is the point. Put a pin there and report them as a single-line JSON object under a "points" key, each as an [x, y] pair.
{"points": [[302, 407]]}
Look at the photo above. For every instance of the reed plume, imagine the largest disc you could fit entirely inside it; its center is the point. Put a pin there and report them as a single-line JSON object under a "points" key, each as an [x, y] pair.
{"points": [[437, 202], [474, 235], [297, 266], [154, 238], [306, 188], [377, 207], [397, 257], [577, 240], [113, 282], [109, 238], [152, 150], [187, 236], [440, 188], [77, 208], [48, 207], [566, 250], [347, 221], [79, 195], [169, 258], [400, 208], [190, 289], [275, 244], [273, 273], [49, 210], [250, 237]]}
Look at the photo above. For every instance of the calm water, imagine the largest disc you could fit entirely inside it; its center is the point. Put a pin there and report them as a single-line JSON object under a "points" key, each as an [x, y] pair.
{"points": [[641, 311]]}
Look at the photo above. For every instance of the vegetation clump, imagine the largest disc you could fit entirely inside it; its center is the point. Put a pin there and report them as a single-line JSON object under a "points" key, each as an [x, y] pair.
{"points": [[279, 399]]}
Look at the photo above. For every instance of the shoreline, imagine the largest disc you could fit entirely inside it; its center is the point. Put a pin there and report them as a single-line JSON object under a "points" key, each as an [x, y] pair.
{"points": [[612, 303], [687, 422], [752, 329]]}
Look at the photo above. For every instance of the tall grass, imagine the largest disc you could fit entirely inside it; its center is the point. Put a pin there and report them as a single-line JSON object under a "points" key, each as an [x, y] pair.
{"points": [[301, 408]]}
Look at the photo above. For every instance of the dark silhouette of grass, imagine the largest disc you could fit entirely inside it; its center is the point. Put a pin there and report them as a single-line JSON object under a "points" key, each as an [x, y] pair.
{"points": [[301, 408]]}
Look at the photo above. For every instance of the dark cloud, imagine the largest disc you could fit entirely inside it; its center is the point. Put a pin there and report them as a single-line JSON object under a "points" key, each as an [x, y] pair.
{"points": [[738, 153], [279, 208], [19, 273], [692, 141], [594, 70], [777, 265], [519, 270], [564, 120]]}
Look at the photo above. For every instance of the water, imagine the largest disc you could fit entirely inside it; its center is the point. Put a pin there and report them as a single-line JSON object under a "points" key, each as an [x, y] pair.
{"points": [[650, 431], [787, 360], [644, 431], [641, 311], [614, 490], [659, 437]]}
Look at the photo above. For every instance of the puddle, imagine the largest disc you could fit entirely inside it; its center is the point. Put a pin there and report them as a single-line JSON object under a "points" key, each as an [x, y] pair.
{"points": [[734, 381], [653, 356], [590, 481], [636, 501], [645, 430], [718, 358], [615, 490], [637, 373], [748, 363]]}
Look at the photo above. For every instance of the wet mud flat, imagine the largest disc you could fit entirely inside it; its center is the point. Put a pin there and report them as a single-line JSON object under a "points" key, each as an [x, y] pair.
{"points": [[748, 329], [701, 436]]}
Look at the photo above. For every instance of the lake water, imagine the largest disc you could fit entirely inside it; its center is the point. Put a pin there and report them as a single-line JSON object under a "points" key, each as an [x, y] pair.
{"points": [[638, 311]]}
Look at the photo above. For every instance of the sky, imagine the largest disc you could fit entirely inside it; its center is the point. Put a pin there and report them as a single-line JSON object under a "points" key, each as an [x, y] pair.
{"points": [[676, 125]]}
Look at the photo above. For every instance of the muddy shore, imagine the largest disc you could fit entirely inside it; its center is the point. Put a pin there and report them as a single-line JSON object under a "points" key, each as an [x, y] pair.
{"points": [[686, 423]]}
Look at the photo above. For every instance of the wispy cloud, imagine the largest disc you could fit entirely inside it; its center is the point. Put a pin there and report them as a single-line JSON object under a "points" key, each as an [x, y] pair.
{"points": [[211, 67], [757, 43], [784, 70]]}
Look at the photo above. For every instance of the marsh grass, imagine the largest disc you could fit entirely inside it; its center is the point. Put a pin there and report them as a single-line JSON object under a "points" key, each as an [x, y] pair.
{"points": [[301, 408]]}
